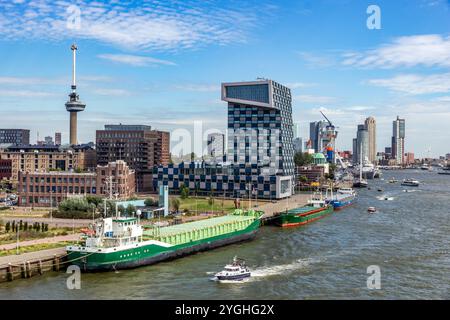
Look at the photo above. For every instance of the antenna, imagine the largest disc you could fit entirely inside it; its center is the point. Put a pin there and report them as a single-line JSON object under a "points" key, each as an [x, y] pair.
{"points": [[74, 49]]}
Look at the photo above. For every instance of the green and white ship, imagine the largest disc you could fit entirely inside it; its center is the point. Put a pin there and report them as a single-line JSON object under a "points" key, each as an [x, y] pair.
{"points": [[122, 242]]}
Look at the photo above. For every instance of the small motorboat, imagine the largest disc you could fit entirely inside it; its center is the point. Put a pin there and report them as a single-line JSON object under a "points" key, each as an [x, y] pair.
{"points": [[380, 190], [410, 183], [236, 271], [393, 180], [371, 210]]}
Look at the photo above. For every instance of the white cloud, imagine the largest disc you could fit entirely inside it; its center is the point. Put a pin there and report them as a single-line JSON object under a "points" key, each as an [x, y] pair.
{"points": [[133, 60], [298, 85], [154, 24], [25, 93], [424, 50], [313, 99], [111, 92], [416, 84], [198, 87]]}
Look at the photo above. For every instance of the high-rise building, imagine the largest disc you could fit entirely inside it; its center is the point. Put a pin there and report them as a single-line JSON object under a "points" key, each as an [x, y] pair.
{"points": [[298, 145], [398, 140], [260, 126], [48, 141], [260, 157], [355, 151], [409, 158], [58, 138], [362, 143], [371, 127], [74, 105], [317, 131], [216, 145], [138, 145], [15, 136]]}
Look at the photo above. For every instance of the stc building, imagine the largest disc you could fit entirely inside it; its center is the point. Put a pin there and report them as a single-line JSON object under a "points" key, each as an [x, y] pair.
{"points": [[260, 157]]}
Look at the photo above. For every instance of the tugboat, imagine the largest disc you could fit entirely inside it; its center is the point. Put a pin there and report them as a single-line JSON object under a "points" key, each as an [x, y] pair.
{"points": [[236, 271], [410, 183]]}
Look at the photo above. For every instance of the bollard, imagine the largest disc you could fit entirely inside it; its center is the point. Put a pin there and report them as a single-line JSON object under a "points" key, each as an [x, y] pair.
{"points": [[23, 270], [28, 269], [55, 263], [9, 273], [40, 267]]}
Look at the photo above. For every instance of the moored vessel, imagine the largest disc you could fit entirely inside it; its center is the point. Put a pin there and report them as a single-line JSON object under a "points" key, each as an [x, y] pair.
{"points": [[122, 242], [316, 209], [344, 197], [410, 183]]}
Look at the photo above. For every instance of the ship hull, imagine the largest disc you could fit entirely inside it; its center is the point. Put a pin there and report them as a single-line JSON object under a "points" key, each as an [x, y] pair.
{"points": [[151, 254], [292, 220], [341, 204]]}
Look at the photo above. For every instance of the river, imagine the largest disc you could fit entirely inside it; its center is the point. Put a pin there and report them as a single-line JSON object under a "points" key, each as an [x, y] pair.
{"points": [[408, 239]]}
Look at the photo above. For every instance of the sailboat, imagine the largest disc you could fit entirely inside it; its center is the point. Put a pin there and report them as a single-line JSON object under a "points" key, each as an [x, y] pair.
{"points": [[360, 183]]}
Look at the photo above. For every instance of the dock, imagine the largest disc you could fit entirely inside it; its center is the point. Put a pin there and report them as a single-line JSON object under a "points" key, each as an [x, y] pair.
{"points": [[274, 209], [31, 264]]}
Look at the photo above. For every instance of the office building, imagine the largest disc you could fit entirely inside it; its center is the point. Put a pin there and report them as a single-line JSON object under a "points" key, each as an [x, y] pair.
{"points": [[260, 151], [14, 136], [216, 145], [138, 145], [48, 189], [57, 138], [317, 131], [371, 127], [398, 141], [298, 145], [5, 169], [362, 143]]}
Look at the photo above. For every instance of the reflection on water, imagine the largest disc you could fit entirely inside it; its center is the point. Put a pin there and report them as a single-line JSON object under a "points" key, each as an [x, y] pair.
{"points": [[408, 238]]}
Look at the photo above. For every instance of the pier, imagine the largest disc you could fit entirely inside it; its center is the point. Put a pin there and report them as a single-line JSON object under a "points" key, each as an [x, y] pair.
{"points": [[273, 209], [31, 264]]}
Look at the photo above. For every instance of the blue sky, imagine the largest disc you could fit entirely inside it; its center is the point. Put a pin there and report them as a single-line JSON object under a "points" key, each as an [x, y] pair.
{"points": [[161, 63]]}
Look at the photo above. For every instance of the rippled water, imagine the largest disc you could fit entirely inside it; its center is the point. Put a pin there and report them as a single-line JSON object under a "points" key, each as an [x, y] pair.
{"points": [[408, 238]]}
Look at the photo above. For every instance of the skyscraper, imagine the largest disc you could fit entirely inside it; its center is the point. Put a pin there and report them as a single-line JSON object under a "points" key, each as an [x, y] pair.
{"points": [[260, 125], [398, 140], [74, 105], [316, 133], [371, 127], [362, 143], [15, 136]]}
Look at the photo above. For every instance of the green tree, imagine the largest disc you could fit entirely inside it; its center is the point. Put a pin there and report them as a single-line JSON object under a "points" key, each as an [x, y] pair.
{"points": [[42, 227], [14, 226], [184, 192], [20, 225], [149, 202], [130, 210], [303, 159], [8, 226], [121, 209], [94, 200], [193, 156], [175, 204], [25, 226], [211, 201]]}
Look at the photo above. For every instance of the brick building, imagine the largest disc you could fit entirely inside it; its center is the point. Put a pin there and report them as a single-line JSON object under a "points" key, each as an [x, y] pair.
{"points": [[5, 169], [45, 189], [138, 145]]}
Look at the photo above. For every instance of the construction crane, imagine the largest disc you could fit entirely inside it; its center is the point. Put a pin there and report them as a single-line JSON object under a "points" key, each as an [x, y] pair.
{"points": [[331, 135]]}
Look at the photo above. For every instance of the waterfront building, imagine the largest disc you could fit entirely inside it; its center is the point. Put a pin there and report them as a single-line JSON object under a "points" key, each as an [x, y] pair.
{"points": [[216, 145], [355, 150], [34, 158], [398, 140], [15, 136], [409, 158], [362, 143], [260, 157], [48, 189], [371, 127], [138, 145]]}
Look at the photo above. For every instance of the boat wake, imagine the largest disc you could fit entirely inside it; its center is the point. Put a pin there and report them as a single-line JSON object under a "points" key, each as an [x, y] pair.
{"points": [[283, 269], [385, 198]]}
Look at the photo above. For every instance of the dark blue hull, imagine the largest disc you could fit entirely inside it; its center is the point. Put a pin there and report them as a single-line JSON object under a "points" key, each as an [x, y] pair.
{"points": [[237, 277], [342, 203]]}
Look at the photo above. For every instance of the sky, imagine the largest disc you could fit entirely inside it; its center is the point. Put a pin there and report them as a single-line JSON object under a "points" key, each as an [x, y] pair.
{"points": [[161, 63]]}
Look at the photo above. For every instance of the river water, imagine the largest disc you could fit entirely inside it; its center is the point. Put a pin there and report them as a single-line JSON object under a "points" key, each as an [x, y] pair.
{"points": [[408, 239]]}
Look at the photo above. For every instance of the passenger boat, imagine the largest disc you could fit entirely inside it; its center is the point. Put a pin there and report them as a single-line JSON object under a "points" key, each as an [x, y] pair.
{"points": [[236, 271], [122, 242], [316, 208], [410, 183]]}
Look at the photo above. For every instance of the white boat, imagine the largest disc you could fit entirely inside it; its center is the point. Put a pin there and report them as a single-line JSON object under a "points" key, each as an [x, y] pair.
{"points": [[371, 210], [426, 167], [360, 183], [236, 271], [393, 180], [410, 183]]}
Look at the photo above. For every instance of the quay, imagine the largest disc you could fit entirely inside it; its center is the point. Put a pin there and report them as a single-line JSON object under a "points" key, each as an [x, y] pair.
{"points": [[31, 264], [274, 209]]}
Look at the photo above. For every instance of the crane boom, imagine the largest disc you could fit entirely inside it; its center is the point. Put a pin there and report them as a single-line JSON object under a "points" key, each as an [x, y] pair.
{"points": [[326, 118]]}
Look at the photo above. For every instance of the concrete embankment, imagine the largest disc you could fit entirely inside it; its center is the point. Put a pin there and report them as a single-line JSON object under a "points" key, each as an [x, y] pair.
{"points": [[30, 264]]}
